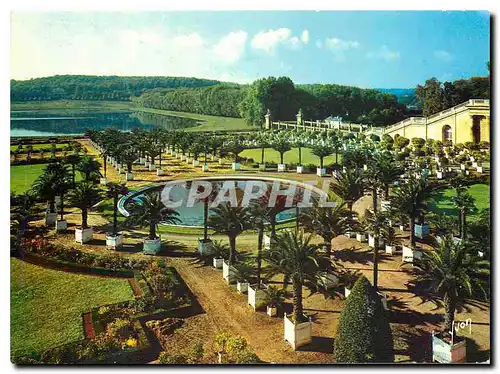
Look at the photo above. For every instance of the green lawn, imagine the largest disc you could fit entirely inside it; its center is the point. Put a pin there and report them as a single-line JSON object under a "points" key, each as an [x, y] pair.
{"points": [[23, 176], [38, 146], [210, 123], [72, 106], [443, 202], [291, 156], [47, 305]]}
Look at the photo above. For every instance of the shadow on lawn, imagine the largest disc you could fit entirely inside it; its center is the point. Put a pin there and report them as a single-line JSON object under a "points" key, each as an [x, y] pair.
{"points": [[358, 255]]}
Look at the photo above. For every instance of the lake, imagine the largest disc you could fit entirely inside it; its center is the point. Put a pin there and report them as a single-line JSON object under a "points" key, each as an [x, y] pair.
{"points": [[37, 123]]}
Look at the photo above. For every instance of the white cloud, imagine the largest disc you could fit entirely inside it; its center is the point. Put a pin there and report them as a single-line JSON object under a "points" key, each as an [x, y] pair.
{"points": [[268, 40], [340, 45], [305, 36], [231, 47], [383, 53], [443, 55]]}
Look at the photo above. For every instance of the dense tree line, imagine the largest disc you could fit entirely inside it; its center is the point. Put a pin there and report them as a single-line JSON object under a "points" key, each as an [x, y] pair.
{"points": [[90, 87], [436, 96], [220, 100]]}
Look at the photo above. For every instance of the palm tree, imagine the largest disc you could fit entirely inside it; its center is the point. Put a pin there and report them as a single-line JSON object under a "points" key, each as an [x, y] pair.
{"points": [[411, 199], [62, 185], [388, 171], [150, 211], [326, 222], [452, 272], [442, 224], [281, 145], [480, 233], [84, 196], [230, 221], [46, 185], [22, 209], [375, 223], [88, 167], [464, 202], [349, 186], [114, 191], [299, 261], [73, 160], [258, 215], [322, 151]]}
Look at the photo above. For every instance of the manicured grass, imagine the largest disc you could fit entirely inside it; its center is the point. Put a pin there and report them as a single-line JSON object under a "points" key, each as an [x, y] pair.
{"points": [[60, 106], [47, 305], [443, 202], [38, 146], [210, 123], [292, 156], [23, 176]]}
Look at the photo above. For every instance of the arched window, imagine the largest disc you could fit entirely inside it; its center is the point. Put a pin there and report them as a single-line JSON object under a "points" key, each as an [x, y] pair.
{"points": [[447, 134]]}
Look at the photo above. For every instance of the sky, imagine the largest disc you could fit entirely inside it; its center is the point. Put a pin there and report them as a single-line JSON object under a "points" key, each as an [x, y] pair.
{"points": [[372, 49]]}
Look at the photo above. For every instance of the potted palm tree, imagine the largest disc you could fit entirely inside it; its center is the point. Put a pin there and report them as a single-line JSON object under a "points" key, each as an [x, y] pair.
{"points": [[205, 244], [321, 151], [349, 186], [375, 222], [114, 239], [62, 185], [300, 262], [84, 196], [235, 148], [150, 211], [465, 204], [244, 274], [453, 273], [219, 253], [275, 298], [300, 143], [88, 167], [45, 186], [281, 145], [263, 142], [391, 239]]}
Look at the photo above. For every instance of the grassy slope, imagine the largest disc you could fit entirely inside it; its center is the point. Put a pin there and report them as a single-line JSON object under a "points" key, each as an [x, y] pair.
{"points": [[60, 106], [38, 146], [47, 305], [23, 176], [291, 156], [443, 201]]}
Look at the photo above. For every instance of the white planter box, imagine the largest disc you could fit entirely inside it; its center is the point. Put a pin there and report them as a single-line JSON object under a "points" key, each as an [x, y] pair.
{"points": [[361, 237], [446, 353], [383, 299], [299, 334], [385, 205], [439, 175], [61, 225], [114, 242], [347, 291], [256, 297], [281, 167], [50, 219], [300, 169], [242, 287], [205, 248], [262, 167], [103, 181], [160, 172], [236, 166], [371, 241], [228, 272], [463, 167], [152, 167], [401, 227], [479, 169], [151, 246], [474, 164], [130, 176], [267, 242], [365, 167], [472, 158], [389, 249], [320, 172], [467, 172], [218, 263], [146, 164], [196, 163], [329, 280], [142, 160], [272, 311], [409, 255], [83, 235], [204, 167]]}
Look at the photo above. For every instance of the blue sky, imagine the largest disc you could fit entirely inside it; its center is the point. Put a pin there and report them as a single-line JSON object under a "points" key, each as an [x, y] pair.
{"points": [[366, 49]]}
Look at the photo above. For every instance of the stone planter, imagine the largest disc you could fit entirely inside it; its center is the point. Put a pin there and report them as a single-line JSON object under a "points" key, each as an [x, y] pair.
{"points": [[236, 166], [463, 167], [361, 237], [267, 242], [114, 241], [151, 167], [383, 299], [103, 181], [272, 311], [142, 160], [256, 297], [300, 170], [409, 254], [479, 169], [83, 235], [204, 167], [474, 164], [439, 174], [297, 334], [151, 246], [447, 352], [217, 262], [160, 172], [371, 241], [320, 172], [196, 163], [61, 225], [205, 247], [146, 164], [421, 231], [347, 291], [228, 272], [390, 249], [130, 176], [402, 227], [262, 167], [242, 287], [50, 219], [365, 167], [385, 205], [281, 168]]}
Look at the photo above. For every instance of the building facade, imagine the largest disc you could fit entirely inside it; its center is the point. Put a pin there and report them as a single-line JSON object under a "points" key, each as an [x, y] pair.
{"points": [[466, 122]]}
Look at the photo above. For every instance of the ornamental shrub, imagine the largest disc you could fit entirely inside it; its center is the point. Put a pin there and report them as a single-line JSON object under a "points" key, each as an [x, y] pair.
{"points": [[364, 333]]}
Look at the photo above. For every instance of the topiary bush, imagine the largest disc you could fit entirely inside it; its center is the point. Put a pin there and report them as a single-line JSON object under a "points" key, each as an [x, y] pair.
{"points": [[364, 333]]}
